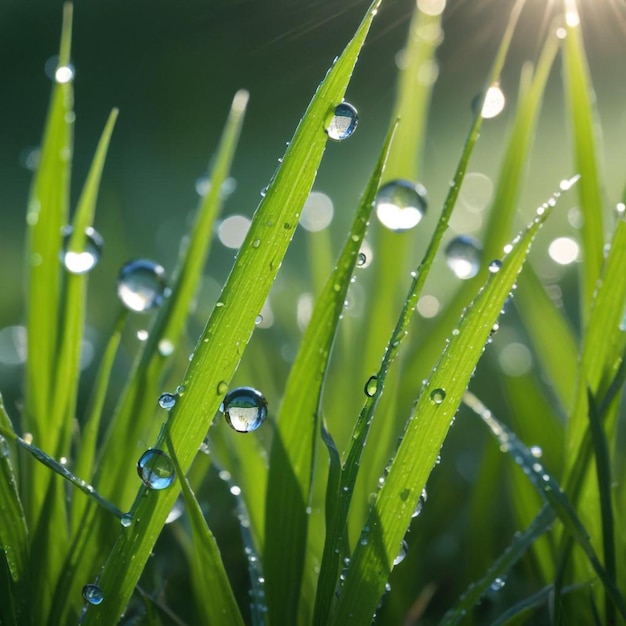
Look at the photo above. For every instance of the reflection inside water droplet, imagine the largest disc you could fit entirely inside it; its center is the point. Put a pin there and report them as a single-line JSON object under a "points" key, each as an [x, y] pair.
{"points": [[463, 256], [93, 594], [342, 122], [371, 386], [402, 553], [167, 401], [437, 396], [141, 285], [83, 261], [156, 469], [494, 266], [400, 205], [245, 409]]}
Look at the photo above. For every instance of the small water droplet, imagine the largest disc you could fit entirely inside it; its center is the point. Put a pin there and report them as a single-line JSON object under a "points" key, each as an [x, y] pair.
{"points": [[361, 259], [258, 320], [141, 285], [420, 503], [84, 261], [400, 205], [437, 396], [142, 334], [167, 401], [256, 243], [402, 553], [492, 104], [341, 122], [155, 469], [536, 451], [497, 584], [495, 265], [165, 347], [222, 388], [93, 594], [126, 520], [371, 386], [180, 390], [245, 409], [463, 256]]}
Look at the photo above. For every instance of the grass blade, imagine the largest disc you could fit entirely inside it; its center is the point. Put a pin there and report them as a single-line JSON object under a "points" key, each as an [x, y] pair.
{"points": [[425, 432], [293, 446], [500, 568], [230, 325], [218, 607]]}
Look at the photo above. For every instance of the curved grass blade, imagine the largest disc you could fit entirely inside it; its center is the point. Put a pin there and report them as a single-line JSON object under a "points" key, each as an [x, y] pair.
{"points": [[48, 207], [551, 491], [293, 446], [501, 567], [603, 472], [230, 325], [424, 435], [580, 97], [67, 362], [219, 606], [14, 541]]}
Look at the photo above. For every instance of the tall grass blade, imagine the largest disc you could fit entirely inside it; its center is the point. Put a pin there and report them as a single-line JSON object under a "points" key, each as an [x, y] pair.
{"points": [[425, 432], [293, 446], [230, 326]]}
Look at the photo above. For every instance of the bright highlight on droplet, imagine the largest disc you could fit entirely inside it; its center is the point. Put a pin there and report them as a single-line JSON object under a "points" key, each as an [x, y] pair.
{"points": [[431, 7], [244, 408], [564, 250], [233, 230], [81, 262], [494, 102], [93, 594], [317, 212], [141, 285], [64, 74], [463, 256], [342, 122], [400, 205], [156, 469], [428, 306]]}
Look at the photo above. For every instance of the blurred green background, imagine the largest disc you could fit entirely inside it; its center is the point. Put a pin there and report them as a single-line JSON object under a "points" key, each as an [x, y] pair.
{"points": [[172, 69]]}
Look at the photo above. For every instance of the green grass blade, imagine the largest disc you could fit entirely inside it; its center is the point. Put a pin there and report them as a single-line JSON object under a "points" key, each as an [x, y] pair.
{"points": [[67, 363], [580, 97], [425, 432], [48, 207], [500, 567], [14, 543], [132, 419], [230, 325], [293, 446], [603, 472], [547, 327], [551, 491], [218, 606]]}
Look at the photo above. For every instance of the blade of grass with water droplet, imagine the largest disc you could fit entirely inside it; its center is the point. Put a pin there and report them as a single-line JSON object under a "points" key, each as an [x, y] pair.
{"points": [[218, 606], [579, 93], [14, 609], [72, 305], [230, 326], [551, 491], [501, 567], [293, 446], [48, 207], [424, 435]]}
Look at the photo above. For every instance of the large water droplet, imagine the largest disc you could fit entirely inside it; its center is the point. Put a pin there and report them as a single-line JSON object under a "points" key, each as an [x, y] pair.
{"points": [[141, 285], [492, 104], [93, 594], [463, 256], [437, 396], [156, 469], [402, 553], [371, 386], [167, 401], [342, 122], [245, 409], [81, 262], [400, 205]]}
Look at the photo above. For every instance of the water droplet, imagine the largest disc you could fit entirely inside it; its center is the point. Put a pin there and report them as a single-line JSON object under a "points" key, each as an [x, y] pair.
{"points": [[222, 388], [165, 347], [167, 401], [497, 584], [361, 259], [126, 520], [341, 122], [180, 390], [59, 73], [495, 265], [463, 256], [536, 451], [258, 320], [492, 104], [141, 285], [142, 334], [245, 409], [93, 594], [371, 386], [85, 261], [156, 469], [420, 503], [402, 553], [400, 205], [437, 396]]}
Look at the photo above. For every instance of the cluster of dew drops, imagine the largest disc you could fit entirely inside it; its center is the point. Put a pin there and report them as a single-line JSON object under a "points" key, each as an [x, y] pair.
{"points": [[142, 287]]}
